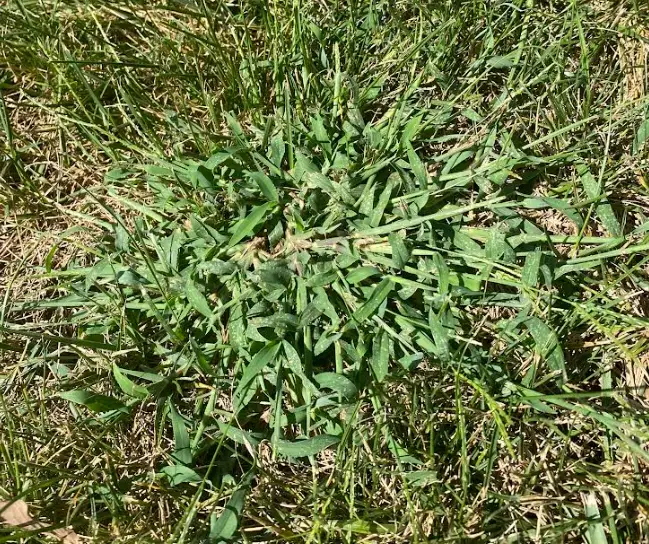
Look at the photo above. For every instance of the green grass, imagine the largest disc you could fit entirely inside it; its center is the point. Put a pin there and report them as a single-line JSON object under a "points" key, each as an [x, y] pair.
{"points": [[326, 271]]}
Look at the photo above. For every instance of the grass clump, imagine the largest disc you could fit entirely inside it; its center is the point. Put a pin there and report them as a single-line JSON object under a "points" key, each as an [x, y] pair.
{"points": [[326, 273]]}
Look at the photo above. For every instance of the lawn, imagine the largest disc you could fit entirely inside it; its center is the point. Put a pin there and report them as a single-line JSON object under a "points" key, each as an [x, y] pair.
{"points": [[323, 271]]}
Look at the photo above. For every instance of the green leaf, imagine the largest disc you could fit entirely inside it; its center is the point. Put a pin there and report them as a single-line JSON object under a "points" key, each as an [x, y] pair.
{"points": [[217, 267], [131, 278], [323, 279], [279, 320], [596, 533], [496, 245], [320, 133], [562, 206], [179, 474], [325, 340], [641, 137], [336, 382], [197, 299], [440, 336], [362, 273], [262, 359], [547, 345], [265, 184], [136, 206], [422, 478], [182, 449], [604, 210], [237, 323], [159, 171], [94, 401], [418, 168], [306, 448], [410, 131], [380, 293], [294, 364], [400, 452], [129, 386], [225, 527], [116, 174], [122, 239], [219, 158], [203, 177], [384, 199], [148, 376], [277, 150], [303, 166], [570, 268], [323, 304], [247, 226], [501, 61], [50, 257], [443, 273], [238, 435], [380, 355], [400, 253], [235, 127], [530, 273], [60, 339]]}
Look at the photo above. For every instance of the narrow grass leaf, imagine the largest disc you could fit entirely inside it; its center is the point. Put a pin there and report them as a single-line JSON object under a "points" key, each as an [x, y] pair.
{"points": [[179, 474], [246, 226], [596, 533], [379, 210], [440, 336], [265, 184], [197, 299], [400, 253], [380, 293], [203, 177], [306, 448], [217, 267], [530, 273], [262, 359], [294, 364], [605, 211], [127, 385], [547, 344], [182, 449], [325, 340], [443, 273], [238, 435], [336, 382], [380, 356], [361, 273], [421, 478], [418, 168], [92, 344], [501, 61], [93, 401], [446, 213], [137, 207], [224, 528], [641, 136]]}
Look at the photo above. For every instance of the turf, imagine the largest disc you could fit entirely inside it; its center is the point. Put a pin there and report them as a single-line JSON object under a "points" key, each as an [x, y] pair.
{"points": [[325, 272]]}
